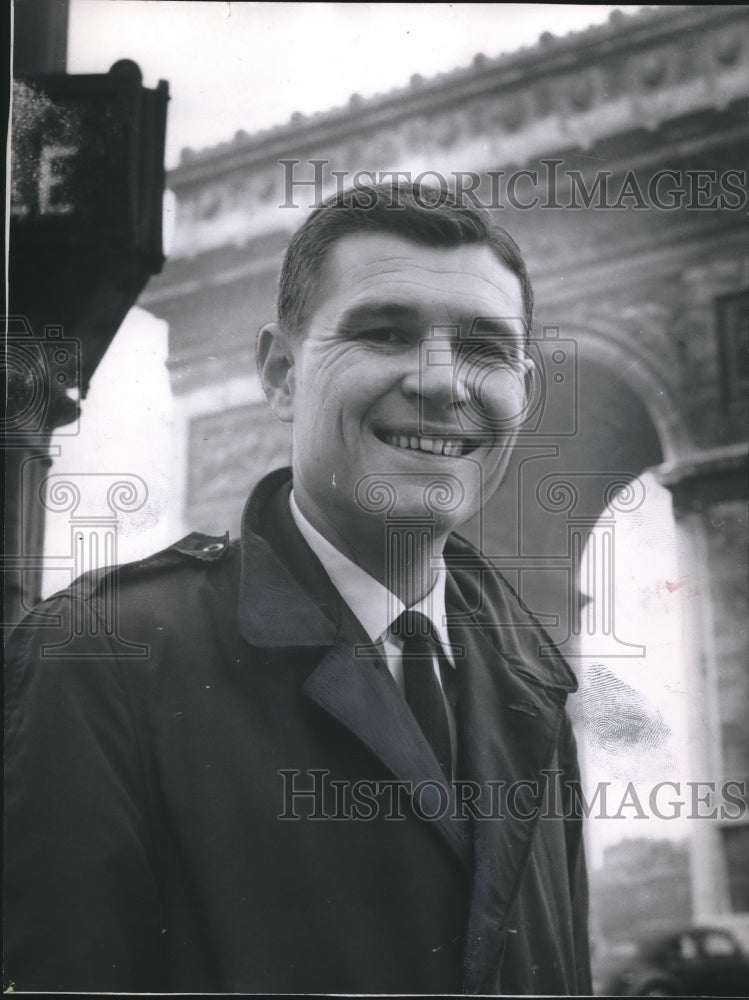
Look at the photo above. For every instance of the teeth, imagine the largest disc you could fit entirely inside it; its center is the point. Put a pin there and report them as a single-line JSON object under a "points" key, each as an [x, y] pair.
{"points": [[434, 446]]}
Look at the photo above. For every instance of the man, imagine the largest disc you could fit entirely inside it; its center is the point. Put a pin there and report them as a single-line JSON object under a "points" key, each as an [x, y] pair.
{"points": [[296, 788]]}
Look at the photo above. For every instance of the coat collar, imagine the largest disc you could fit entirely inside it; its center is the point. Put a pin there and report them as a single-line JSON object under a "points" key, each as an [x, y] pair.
{"points": [[271, 543]]}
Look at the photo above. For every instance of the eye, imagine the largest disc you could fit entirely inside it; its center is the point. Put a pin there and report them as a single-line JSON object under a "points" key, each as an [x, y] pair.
{"points": [[383, 335]]}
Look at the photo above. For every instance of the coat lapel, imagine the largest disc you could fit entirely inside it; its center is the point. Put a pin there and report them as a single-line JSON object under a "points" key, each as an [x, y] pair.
{"points": [[508, 721], [361, 694]]}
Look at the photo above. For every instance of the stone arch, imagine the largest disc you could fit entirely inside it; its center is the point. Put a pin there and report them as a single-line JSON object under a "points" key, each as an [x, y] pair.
{"points": [[565, 472], [648, 365]]}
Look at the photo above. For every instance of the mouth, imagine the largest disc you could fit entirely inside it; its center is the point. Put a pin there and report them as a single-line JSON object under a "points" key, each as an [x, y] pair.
{"points": [[447, 446]]}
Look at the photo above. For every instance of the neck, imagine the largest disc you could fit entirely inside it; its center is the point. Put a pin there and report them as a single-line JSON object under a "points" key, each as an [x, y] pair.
{"points": [[397, 555]]}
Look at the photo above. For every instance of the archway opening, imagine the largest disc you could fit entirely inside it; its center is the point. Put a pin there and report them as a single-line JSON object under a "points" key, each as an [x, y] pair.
{"points": [[631, 715]]}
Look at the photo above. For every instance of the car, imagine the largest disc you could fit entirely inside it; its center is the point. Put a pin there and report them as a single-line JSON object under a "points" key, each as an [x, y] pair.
{"points": [[695, 961]]}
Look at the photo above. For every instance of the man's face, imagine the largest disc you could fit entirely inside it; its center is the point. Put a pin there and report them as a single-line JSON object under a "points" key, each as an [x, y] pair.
{"points": [[391, 386]]}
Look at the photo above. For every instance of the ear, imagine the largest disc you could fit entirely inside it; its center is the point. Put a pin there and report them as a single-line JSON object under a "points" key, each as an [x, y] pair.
{"points": [[274, 354]]}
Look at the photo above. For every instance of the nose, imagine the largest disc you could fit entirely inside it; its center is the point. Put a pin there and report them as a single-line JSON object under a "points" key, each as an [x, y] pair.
{"points": [[435, 377]]}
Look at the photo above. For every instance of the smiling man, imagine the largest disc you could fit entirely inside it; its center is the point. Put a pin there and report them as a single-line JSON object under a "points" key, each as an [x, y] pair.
{"points": [[329, 768], [349, 365]]}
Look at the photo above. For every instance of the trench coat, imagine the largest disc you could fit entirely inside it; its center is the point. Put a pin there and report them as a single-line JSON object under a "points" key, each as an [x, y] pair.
{"points": [[213, 784]]}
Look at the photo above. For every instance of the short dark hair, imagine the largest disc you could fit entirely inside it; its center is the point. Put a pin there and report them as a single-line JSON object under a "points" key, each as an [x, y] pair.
{"points": [[428, 215]]}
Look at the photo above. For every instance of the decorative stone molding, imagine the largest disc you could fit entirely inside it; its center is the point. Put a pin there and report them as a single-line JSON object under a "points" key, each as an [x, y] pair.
{"points": [[635, 72]]}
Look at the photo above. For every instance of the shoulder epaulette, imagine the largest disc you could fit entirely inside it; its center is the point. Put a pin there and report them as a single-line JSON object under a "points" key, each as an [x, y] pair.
{"points": [[205, 548], [195, 547]]}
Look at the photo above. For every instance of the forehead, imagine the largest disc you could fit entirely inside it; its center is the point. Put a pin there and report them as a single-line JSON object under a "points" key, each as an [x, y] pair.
{"points": [[457, 282]]}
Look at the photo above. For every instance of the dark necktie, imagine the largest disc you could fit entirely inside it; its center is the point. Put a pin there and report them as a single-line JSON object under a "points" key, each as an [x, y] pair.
{"points": [[423, 691]]}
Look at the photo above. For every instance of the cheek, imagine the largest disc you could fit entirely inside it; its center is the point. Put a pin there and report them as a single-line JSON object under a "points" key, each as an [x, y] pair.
{"points": [[497, 402], [323, 420]]}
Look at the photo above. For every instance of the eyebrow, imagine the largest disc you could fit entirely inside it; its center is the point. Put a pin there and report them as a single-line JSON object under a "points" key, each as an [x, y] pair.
{"points": [[366, 312], [498, 326], [394, 312]]}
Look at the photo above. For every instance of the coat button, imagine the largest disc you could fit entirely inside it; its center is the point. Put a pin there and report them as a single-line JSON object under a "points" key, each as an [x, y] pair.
{"points": [[213, 547]]}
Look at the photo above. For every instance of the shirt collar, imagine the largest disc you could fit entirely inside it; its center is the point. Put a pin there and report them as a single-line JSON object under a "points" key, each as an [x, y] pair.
{"points": [[374, 605]]}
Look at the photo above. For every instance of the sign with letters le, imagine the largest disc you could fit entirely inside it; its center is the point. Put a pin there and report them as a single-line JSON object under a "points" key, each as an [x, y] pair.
{"points": [[87, 185]]}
